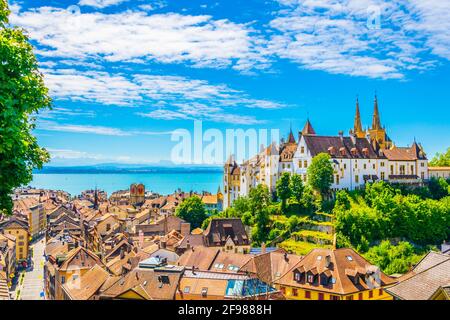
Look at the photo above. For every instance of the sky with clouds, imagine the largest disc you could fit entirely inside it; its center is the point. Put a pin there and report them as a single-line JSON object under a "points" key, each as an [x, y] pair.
{"points": [[124, 74]]}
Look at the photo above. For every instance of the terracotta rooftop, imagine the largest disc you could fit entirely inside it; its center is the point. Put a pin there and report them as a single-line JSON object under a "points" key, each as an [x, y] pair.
{"points": [[423, 284]]}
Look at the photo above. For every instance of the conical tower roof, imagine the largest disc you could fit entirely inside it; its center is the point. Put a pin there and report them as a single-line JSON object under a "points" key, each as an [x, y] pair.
{"points": [[357, 125], [376, 122], [308, 129]]}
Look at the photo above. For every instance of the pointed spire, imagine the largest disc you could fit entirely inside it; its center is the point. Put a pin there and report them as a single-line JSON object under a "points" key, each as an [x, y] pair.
{"points": [[376, 123], [308, 129], [357, 127], [291, 138]]}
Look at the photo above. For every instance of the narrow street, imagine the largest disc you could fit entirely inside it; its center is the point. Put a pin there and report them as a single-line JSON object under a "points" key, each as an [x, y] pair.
{"points": [[33, 284]]}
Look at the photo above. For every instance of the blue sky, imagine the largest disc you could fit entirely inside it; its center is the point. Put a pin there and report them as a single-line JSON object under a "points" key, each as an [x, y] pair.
{"points": [[124, 74]]}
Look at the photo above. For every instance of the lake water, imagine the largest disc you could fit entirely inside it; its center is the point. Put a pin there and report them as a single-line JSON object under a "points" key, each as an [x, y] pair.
{"points": [[162, 183]]}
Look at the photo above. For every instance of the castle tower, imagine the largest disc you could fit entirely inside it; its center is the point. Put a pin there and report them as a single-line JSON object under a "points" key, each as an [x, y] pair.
{"points": [[357, 127], [377, 132]]}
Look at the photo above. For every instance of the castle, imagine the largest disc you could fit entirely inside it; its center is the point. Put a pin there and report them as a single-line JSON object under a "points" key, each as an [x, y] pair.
{"points": [[363, 156]]}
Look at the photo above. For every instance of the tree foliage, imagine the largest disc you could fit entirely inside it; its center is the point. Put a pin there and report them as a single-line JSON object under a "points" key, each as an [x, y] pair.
{"points": [[393, 259], [296, 187], [283, 189], [320, 173], [441, 159], [384, 213], [193, 211], [22, 93]]}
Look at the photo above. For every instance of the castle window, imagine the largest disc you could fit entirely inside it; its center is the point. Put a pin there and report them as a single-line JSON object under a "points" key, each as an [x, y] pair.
{"points": [[300, 163], [365, 166], [412, 169], [357, 179], [422, 175], [382, 164], [382, 176], [302, 149], [373, 166], [305, 163], [402, 170]]}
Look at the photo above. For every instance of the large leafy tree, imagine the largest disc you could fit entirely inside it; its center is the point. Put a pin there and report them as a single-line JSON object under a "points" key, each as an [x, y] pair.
{"points": [[193, 211], [296, 186], [283, 190], [441, 159], [259, 199], [320, 173], [22, 93]]}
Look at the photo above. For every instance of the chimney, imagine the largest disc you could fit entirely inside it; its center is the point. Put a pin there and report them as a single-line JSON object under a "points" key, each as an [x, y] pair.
{"points": [[327, 261], [185, 229], [263, 247], [188, 245], [341, 135], [162, 243]]}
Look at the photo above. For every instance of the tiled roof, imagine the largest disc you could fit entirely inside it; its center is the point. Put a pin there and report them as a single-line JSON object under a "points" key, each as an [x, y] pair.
{"points": [[199, 257], [404, 154], [219, 230], [149, 283], [341, 147], [84, 287], [272, 265], [422, 285], [430, 260], [341, 265]]}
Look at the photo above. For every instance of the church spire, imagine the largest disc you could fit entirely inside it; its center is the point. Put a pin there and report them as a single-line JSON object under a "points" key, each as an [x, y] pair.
{"points": [[376, 123], [357, 128], [308, 129]]}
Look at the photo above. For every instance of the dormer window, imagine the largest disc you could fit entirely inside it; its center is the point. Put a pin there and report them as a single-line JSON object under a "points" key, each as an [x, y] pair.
{"points": [[342, 151], [331, 150], [365, 152], [354, 151]]}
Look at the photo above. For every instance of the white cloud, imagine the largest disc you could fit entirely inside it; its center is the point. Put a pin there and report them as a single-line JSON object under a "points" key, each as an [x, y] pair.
{"points": [[327, 35], [167, 38], [49, 125], [99, 130], [100, 3], [342, 37], [168, 97]]}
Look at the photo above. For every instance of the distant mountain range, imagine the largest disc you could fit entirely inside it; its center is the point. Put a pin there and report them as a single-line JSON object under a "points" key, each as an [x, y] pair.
{"points": [[168, 167]]}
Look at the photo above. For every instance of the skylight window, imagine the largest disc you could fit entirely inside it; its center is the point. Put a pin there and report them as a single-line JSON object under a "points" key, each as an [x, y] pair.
{"points": [[319, 258], [349, 258]]}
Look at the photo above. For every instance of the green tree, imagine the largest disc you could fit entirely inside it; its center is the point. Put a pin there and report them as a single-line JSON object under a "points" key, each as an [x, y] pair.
{"points": [[259, 198], [441, 159], [297, 187], [320, 173], [22, 94], [283, 189], [393, 259], [193, 211]]}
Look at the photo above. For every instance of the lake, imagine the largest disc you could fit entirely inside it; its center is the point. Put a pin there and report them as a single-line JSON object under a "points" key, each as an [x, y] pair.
{"points": [[162, 183]]}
